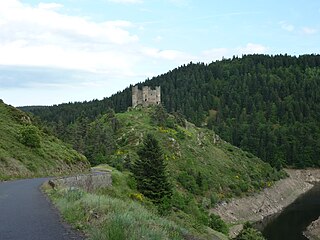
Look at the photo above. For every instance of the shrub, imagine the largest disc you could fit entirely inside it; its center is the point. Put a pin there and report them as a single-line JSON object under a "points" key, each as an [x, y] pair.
{"points": [[30, 136], [188, 182], [179, 200], [180, 119], [159, 116], [136, 196], [181, 134], [214, 198], [249, 233], [216, 223]]}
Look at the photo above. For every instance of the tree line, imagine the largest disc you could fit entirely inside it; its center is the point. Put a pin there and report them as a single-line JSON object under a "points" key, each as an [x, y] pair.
{"points": [[268, 105]]}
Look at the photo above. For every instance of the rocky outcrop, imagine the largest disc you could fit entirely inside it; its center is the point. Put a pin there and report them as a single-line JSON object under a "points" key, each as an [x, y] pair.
{"points": [[268, 202], [313, 230]]}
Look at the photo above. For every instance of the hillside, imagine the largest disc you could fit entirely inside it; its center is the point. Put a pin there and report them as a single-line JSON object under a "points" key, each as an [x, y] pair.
{"points": [[202, 168], [267, 105], [26, 151]]}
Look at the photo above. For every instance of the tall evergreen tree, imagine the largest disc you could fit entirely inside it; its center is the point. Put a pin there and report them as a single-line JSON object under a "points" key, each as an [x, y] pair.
{"points": [[150, 171]]}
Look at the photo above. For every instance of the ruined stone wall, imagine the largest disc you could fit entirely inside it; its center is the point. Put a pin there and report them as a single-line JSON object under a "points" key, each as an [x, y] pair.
{"points": [[88, 182], [146, 96]]}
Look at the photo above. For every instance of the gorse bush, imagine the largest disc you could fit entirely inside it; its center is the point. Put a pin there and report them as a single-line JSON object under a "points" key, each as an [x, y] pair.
{"points": [[30, 136]]}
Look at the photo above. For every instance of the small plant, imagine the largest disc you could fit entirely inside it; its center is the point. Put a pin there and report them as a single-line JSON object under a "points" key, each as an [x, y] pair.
{"points": [[136, 196], [73, 194], [216, 223], [188, 182], [249, 233]]}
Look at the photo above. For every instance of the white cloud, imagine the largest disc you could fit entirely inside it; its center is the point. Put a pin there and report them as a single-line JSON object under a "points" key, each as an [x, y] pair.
{"points": [[252, 48], [172, 55], [40, 36], [126, 1], [309, 31], [50, 6], [286, 26], [158, 39]]}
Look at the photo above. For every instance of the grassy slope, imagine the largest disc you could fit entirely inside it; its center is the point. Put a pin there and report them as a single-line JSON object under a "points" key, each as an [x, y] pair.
{"points": [[224, 169], [18, 160], [202, 172]]}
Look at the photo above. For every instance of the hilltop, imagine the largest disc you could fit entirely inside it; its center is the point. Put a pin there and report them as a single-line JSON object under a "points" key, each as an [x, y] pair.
{"points": [[267, 105], [27, 151], [203, 169]]}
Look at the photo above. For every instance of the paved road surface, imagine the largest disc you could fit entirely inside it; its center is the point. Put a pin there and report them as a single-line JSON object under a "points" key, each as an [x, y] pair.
{"points": [[25, 213]]}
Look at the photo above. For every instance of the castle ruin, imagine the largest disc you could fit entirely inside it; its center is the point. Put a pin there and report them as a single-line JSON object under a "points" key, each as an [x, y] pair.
{"points": [[146, 96]]}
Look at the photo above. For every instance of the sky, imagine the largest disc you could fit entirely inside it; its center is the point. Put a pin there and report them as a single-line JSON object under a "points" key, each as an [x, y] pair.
{"points": [[55, 51]]}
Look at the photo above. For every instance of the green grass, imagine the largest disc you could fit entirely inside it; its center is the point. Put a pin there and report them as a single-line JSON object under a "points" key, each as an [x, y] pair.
{"points": [[19, 161], [225, 170], [112, 213], [102, 216], [203, 172]]}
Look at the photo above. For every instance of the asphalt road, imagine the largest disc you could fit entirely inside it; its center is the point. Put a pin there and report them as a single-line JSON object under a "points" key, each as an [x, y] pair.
{"points": [[26, 214]]}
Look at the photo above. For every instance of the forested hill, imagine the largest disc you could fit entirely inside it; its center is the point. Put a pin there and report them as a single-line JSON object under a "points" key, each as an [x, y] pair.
{"points": [[268, 105]]}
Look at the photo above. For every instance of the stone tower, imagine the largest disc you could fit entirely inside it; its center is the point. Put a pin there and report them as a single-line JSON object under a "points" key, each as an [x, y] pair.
{"points": [[146, 96]]}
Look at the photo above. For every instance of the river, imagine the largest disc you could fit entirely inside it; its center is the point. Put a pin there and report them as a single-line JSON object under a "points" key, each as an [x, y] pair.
{"points": [[293, 220]]}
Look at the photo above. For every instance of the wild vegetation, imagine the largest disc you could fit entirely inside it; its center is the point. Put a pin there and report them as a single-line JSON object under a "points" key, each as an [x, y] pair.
{"points": [[27, 151], [116, 213], [201, 169], [267, 105]]}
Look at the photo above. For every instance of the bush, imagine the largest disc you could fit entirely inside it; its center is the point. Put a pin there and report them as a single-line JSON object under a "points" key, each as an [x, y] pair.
{"points": [[30, 136], [188, 182], [159, 116], [214, 198], [249, 233], [180, 119], [216, 223], [178, 200]]}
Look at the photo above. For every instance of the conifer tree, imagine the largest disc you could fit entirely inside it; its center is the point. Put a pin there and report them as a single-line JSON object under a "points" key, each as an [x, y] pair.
{"points": [[150, 172]]}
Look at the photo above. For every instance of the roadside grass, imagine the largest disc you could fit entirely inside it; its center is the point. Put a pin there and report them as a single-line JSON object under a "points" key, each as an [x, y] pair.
{"points": [[120, 212], [102, 216]]}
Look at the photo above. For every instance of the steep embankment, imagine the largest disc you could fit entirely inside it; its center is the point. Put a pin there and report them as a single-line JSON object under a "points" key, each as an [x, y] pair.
{"points": [[26, 151], [268, 202], [313, 230], [203, 169]]}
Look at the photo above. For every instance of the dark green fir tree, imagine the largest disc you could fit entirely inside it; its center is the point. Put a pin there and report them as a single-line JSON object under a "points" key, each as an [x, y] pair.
{"points": [[150, 172]]}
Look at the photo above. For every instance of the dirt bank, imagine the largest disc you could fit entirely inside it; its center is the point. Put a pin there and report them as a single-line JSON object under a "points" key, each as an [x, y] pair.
{"points": [[313, 230], [268, 202]]}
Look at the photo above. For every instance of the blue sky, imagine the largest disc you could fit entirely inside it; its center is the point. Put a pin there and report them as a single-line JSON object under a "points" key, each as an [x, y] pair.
{"points": [[55, 51]]}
